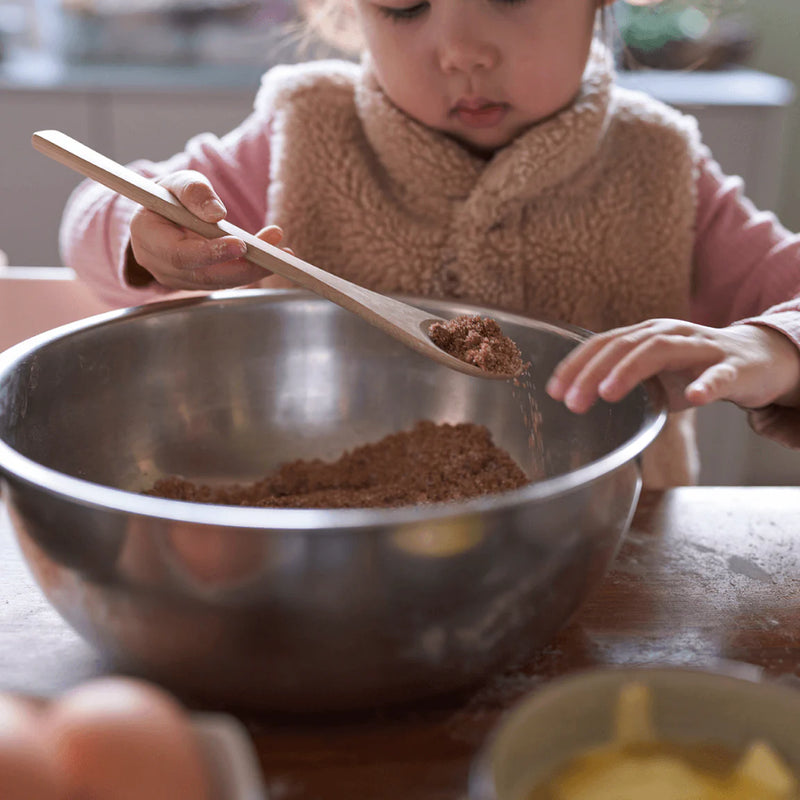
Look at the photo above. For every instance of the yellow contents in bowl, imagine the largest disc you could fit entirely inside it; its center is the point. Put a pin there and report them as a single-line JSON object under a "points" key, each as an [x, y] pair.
{"points": [[637, 765]]}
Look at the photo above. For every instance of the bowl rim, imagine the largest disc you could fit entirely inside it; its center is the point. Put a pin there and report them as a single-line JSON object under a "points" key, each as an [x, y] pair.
{"points": [[15, 467]]}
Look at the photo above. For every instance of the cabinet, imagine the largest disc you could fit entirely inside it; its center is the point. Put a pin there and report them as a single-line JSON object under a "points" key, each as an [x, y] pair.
{"points": [[131, 112], [126, 113]]}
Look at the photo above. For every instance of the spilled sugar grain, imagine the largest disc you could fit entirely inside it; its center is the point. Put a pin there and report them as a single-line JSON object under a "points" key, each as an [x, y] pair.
{"points": [[524, 392], [480, 341]]}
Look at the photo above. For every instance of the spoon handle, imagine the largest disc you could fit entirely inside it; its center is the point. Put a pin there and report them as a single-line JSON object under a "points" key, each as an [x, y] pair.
{"points": [[404, 322], [155, 197]]}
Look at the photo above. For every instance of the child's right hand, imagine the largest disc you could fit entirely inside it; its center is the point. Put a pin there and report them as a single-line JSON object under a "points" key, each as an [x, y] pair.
{"points": [[180, 259], [750, 365]]}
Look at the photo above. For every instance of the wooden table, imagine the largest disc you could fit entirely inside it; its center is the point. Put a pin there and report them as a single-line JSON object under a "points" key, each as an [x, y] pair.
{"points": [[705, 574]]}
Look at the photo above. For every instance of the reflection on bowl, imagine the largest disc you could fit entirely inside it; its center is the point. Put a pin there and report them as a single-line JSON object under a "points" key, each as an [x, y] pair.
{"points": [[292, 609]]}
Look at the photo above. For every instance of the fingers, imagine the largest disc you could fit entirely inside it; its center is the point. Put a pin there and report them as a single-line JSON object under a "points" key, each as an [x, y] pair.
{"points": [[195, 192], [180, 259], [562, 383], [272, 234], [576, 380], [610, 365], [612, 379], [716, 383], [750, 365]]}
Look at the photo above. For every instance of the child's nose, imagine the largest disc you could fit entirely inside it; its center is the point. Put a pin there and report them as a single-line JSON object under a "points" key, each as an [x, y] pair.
{"points": [[463, 47]]}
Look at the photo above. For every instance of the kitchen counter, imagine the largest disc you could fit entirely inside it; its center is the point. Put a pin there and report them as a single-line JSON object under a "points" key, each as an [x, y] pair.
{"points": [[704, 574], [42, 72]]}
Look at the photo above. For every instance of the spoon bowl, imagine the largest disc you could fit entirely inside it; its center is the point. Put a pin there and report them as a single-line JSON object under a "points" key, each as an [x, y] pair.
{"points": [[404, 322]]}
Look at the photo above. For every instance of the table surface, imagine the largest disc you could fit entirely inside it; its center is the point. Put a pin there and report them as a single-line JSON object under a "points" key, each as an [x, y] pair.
{"points": [[704, 574]]}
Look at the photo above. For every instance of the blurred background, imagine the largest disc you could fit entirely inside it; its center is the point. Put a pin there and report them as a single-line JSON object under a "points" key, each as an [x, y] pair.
{"points": [[137, 78], [115, 58]]}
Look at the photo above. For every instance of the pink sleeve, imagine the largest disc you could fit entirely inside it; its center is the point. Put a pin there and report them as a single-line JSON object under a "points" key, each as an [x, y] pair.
{"points": [[745, 261], [747, 271], [95, 228]]}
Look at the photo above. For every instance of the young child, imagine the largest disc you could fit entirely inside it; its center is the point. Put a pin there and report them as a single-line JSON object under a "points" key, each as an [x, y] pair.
{"points": [[480, 150]]}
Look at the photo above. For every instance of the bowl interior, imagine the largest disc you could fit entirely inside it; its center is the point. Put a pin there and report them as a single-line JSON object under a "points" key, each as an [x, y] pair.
{"points": [[228, 387]]}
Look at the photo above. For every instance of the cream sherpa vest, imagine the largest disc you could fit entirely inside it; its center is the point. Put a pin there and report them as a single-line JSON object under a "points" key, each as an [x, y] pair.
{"points": [[587, 217]]}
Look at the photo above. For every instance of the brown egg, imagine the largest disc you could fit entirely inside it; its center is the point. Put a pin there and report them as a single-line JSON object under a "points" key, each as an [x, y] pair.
{"points": [[124, 739], [27, 768]]}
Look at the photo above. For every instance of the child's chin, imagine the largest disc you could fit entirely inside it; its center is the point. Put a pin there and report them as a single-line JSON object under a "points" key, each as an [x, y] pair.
{"points": [[484, 146]]}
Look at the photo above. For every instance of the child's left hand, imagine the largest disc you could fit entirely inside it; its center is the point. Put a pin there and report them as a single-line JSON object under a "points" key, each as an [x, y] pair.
{"points": [[750, 365]]}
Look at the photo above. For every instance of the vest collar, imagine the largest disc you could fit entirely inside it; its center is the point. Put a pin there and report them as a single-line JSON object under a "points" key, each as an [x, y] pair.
{"points": [[432, 170]]}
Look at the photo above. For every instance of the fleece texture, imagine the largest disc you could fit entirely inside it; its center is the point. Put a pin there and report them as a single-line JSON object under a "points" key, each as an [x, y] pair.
{"points": [[544, 228]]}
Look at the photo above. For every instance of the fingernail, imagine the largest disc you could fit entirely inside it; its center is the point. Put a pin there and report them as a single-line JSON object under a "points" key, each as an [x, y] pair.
{"points": [[213, 209], [698, 387], [228, 250], [553, 387], [572, 399]]}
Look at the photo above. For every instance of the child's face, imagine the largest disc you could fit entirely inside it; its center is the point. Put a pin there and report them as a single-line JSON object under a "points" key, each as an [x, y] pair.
{"points": [[479, 70]]}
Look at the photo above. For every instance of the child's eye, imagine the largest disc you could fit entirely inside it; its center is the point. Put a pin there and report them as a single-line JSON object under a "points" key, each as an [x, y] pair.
{"points": [[409, 12]]}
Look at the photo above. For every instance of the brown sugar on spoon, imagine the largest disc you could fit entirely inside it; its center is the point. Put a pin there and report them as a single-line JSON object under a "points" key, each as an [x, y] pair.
{"points": [[479, 341]]}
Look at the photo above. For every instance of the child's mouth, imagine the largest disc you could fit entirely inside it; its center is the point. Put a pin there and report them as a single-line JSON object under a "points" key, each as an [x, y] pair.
{"points": [[479, 114]]}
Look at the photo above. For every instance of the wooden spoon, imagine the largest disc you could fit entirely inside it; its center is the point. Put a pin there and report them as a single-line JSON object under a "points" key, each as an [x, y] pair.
{"points": [[404, 322]]}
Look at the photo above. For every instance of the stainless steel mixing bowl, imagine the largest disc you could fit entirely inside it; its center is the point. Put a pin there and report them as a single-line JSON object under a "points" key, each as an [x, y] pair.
{"points": [[297, 610]]}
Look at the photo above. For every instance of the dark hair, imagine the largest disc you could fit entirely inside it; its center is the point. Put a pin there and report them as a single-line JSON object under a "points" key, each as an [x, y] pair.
{"points": [[333, 22]]}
